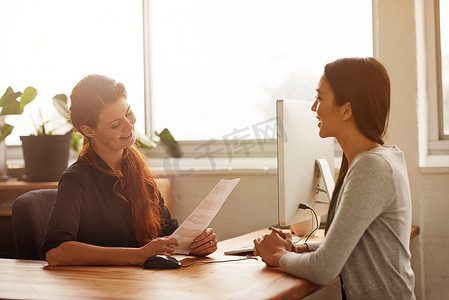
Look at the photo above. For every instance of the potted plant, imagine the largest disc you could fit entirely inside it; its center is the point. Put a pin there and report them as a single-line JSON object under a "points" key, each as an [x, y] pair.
{"points": [[46, 154], [11, 103]]}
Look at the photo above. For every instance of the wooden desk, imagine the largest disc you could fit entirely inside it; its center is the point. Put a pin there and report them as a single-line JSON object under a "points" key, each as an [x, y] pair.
{"points": [[248, 279], [10, 190]]}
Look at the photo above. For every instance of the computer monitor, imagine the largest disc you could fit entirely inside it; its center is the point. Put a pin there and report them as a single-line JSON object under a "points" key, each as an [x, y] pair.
{"points": [[305, 162]]}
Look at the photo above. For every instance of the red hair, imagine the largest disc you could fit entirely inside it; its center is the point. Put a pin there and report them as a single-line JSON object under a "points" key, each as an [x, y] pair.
{"points": [[137, 186]]}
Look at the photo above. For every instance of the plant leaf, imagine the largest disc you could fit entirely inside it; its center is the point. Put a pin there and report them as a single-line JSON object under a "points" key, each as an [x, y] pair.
{"points": [[60, 102], [8, 96], [5, 130], [169, 143], [13, 108], [75, 142], [143, 141], [9, 102], [28, 95]]}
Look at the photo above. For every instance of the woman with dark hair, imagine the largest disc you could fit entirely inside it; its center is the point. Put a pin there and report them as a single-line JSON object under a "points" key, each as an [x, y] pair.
{"points": [[369, 219], [108, 209]]}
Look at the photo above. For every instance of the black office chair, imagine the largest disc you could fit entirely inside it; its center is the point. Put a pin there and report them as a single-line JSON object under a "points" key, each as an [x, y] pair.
{"points": [[30, 213]]}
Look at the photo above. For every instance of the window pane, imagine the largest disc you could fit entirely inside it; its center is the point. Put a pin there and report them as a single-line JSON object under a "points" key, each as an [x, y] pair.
{"points": [[52, 44], [217, 67], [444, 40]]}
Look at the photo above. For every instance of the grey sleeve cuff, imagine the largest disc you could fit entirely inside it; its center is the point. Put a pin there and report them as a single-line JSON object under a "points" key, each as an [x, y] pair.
{"points": [[313, 246]]}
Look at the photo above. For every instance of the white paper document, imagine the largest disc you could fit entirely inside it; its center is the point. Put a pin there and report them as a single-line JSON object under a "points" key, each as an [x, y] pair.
{"points": [[203, 214]]}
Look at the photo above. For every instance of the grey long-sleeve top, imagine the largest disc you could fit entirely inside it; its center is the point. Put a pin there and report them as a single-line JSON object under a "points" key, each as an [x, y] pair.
{"points": [[368, 240]]}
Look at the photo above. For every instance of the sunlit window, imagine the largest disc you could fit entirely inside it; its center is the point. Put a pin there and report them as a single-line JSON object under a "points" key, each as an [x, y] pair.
{"points": [[52, 44], [217, 67], [444, 42]]}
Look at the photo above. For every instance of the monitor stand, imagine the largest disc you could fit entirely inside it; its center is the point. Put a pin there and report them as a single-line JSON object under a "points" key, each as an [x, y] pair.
{"points": [[305, 227], [324, 189]]}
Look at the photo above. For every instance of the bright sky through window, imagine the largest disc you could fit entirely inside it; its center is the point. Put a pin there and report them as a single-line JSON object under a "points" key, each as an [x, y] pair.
{"points": [[217, 67], [52, 44]]}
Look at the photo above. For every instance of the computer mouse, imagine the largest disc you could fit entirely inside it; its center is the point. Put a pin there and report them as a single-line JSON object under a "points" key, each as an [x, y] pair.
{"points": [[161, 261]]}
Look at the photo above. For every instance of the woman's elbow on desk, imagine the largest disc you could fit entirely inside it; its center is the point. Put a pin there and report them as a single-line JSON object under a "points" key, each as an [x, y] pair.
{"points": [[323, 277], [67, 253], [52, 257], [300, 266], [324, 280]]}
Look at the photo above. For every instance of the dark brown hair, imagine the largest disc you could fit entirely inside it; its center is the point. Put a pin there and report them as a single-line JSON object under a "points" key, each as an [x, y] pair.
{"points": [[138, 187], [364, 83]]}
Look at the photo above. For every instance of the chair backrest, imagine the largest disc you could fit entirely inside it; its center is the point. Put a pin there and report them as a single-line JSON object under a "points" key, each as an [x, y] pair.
{"points": [[30, 213]]}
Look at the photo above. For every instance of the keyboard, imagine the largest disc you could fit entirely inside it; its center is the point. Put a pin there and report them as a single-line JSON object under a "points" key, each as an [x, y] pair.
{"points": [[244, 250], [248, 249]]}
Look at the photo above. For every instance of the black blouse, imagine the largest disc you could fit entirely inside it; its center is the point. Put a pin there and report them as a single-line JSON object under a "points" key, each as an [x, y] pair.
{"points": [[87, 210]]}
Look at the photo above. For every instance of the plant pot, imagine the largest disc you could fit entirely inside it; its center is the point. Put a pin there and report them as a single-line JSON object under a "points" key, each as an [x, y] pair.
{"points": [[45, 156], [3, 166]]}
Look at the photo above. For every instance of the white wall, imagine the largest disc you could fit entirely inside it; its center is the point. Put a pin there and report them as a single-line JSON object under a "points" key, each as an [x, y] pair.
{"points": [[401, 50], [251, 206]]}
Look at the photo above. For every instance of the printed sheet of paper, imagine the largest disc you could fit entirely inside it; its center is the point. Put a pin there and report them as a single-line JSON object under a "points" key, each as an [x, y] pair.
{"points": [[203, 214]]}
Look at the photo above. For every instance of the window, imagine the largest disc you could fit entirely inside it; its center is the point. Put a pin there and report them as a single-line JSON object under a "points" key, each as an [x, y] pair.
{"points": [[52, 44], [214, 68], [437, 55], [444, 45], [217, 67]]}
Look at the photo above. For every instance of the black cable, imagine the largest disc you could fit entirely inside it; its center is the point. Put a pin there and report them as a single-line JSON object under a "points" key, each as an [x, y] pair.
{"points": [[305, 206], [316, 222], [220, 261], [307, 234]]}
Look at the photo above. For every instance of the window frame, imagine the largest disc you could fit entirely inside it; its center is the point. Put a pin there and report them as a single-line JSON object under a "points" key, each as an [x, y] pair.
{"points": [[439, 69], [437, 140]]}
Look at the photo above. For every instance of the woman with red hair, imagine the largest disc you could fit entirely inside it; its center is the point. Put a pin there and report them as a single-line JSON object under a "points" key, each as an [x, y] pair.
{"points": [[108, 209]]}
